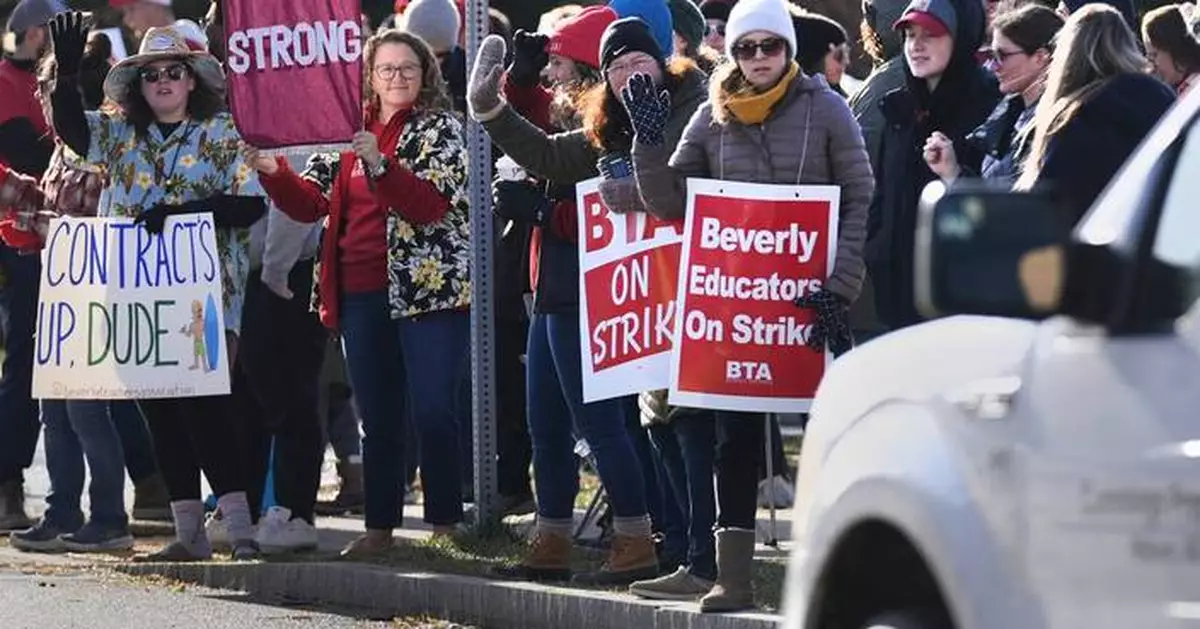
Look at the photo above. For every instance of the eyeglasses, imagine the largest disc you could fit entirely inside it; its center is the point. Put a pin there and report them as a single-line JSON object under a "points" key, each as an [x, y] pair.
{"points": [[746, 50], [407, 72], [156, 75], [1000, 56], [717, 28]]}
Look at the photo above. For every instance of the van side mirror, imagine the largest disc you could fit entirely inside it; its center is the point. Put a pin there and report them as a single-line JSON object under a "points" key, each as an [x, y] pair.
{"points": [[989, 251]]}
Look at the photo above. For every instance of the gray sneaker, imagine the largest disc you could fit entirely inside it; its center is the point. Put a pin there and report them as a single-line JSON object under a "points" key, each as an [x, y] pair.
{"points": [[680, 585], [94, 538], [42, 538]]}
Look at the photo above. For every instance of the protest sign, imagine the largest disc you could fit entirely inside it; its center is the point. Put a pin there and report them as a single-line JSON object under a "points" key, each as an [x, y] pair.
{"points": [[629, 266], [124, 314], [304, 56], [749, 251]]}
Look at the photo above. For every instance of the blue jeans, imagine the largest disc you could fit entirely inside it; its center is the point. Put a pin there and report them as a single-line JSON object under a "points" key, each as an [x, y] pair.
{"points": [[665, 515], [18, 411], [135, 440], [555, 394], [405, 370], [686, 447], [78, 430]]}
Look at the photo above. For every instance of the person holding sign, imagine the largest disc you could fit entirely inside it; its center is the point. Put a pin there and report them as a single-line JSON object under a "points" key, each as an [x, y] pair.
{"points": [[167, 149], [555, 361], [765, 122], [395, 276]]}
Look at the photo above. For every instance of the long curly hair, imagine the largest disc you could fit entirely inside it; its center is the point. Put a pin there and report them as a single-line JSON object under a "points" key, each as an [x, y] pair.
{"points": [[605, 120]]}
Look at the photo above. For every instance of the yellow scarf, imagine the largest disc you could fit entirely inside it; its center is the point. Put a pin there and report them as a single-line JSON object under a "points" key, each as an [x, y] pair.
{"points": [[750, 107]]}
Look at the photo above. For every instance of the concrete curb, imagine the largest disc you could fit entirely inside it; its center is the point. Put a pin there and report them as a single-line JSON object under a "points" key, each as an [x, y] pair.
{"points": [[468, 600]]}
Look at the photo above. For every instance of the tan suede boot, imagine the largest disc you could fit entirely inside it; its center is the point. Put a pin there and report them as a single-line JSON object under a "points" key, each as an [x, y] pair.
{"points": [[734, 590], [630, 559], [548, 560]]}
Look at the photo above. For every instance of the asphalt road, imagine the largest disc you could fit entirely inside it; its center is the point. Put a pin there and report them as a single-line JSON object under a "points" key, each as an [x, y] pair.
{"points": [[112, 602]]}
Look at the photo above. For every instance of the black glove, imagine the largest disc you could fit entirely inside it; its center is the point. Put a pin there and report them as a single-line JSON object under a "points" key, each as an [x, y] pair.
{"points": [[832, 325], [529, 58], [69, 34], [229, 211], [520, 201], [648, 110]]}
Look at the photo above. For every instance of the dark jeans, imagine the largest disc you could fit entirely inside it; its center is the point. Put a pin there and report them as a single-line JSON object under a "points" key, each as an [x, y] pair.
{"points": [[135, 440], [275, 388], [193, 435], [686, 448], [77, 430], [18, 411], [407, 370], [740, 439], [665, 516], [556, 411]]}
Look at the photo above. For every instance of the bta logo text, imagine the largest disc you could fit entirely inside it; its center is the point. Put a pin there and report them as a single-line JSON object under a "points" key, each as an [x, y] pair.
{"points": [[748, 371]]}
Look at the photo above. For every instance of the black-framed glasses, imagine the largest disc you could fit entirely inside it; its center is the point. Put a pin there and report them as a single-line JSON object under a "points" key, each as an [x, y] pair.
{"points": [[999, 55], [407, 72], [747, 50], [169, 73]]}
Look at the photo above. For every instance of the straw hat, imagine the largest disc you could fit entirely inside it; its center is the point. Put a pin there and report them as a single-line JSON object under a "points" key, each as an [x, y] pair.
{"points": [[160, 44]]}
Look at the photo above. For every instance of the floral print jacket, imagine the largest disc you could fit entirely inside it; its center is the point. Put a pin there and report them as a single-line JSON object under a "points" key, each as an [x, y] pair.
{"points": [[428, 263], [197, 160]]}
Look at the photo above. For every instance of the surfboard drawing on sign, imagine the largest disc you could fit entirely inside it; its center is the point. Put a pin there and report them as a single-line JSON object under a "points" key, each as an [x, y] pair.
{"points": [[212, 333]]}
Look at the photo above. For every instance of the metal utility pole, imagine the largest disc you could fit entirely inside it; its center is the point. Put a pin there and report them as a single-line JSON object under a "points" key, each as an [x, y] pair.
{"points": [[483, 329]]}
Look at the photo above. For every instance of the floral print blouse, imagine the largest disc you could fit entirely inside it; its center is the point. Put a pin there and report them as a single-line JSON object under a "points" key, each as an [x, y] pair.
{"points": [[199, 159]]}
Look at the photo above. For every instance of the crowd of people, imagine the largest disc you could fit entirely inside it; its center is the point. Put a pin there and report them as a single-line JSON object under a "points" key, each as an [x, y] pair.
{"points": [[643, 94]]}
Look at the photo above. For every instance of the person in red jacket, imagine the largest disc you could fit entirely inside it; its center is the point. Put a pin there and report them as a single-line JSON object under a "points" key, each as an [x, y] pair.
{"points": [[394, 278]]}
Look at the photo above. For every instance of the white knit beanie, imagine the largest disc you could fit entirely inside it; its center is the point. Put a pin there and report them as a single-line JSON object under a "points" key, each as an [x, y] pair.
{"points": [[435, 21], [748, 16]]}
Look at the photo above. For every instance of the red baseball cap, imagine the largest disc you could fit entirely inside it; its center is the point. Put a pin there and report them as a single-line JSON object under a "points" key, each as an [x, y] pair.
{"points": [[928, 21]]}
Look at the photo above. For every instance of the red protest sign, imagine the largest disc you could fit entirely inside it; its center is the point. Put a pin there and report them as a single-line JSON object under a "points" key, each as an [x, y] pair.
{"points": [[749, 251], [629, 267], [295, 72]]}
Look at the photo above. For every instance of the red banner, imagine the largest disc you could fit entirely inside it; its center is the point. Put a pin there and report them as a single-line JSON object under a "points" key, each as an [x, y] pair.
{"points": [[629, 265], [749, 251], [295, 71]]}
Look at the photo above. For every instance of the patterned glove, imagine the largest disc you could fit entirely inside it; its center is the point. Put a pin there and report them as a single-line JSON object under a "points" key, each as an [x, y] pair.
{"points": [[648, 111], [483, 92], [69, 34], [520, 201], [621, 196], [832, 326], [529, 58]]}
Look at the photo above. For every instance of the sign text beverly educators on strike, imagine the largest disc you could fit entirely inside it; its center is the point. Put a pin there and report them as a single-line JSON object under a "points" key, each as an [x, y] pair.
{"points": [[750, 250]]}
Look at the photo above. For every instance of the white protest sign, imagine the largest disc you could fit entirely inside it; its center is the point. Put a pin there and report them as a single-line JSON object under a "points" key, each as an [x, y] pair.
{"points": [[629, 267], [124, 314]]}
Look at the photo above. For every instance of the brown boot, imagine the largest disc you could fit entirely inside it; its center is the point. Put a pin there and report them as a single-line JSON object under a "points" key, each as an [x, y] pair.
{"points": [[630, 559], [548, 560]]}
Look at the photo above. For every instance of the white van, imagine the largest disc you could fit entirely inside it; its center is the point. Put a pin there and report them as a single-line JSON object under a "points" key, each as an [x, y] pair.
{"points": [[1032, 470]]}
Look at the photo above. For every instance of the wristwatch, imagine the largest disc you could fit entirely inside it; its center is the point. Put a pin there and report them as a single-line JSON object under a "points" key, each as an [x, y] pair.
{"points": [[378, 171]]}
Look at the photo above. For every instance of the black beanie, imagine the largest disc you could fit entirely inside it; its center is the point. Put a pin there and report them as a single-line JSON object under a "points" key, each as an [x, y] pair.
{"points": [[716, 9], [627, 35], [814, 34]]}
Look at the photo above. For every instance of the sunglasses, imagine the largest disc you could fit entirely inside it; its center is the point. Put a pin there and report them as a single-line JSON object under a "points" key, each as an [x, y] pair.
{"points": [[715, 29], [171, 73], [744, 51]]}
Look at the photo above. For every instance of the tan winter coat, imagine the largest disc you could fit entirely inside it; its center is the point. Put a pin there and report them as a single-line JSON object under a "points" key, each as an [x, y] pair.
{"points": [[810, 138]]}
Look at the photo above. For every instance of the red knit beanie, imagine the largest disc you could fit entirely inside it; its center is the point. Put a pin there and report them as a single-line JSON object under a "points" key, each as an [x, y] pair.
{"points": [[578, 38]]}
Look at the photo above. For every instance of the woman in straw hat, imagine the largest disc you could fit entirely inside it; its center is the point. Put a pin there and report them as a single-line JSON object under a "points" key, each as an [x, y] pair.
{"points": [[166, 148]]}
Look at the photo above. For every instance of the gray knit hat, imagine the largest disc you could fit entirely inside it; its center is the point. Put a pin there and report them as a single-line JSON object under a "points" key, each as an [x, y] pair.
{"points": [[435, 21]]}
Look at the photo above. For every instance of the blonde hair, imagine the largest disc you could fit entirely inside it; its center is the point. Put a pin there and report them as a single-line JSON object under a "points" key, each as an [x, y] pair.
{"points": [[1093, 46]]}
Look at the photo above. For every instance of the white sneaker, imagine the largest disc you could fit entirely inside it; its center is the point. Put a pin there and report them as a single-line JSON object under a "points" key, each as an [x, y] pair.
{"points": [[217, 530], [279, 532], [776, 491]]}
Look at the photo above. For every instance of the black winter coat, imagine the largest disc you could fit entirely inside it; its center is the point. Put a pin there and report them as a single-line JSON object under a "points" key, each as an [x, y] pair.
{"points": [[1088, 151], [963, 99]]}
